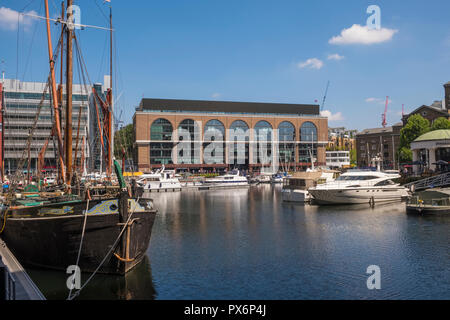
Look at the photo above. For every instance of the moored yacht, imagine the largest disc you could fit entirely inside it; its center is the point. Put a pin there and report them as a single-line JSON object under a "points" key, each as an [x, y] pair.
{"points": [[359, 186], [229, 180], [163, 180]]}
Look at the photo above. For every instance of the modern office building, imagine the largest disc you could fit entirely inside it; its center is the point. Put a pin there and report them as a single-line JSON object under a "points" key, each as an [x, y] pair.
{"points": [[21, 103], [287, 133]]}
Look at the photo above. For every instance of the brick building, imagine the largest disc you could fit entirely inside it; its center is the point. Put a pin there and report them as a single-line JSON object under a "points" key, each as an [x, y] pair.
{"points": [[378, 142], [439, 108], [300, 131]]}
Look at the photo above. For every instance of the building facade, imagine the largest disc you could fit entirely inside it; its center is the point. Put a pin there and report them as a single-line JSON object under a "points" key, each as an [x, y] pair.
{"points": [[341, 139], [290, 133], [338, 159], [21, 103], [379, 142], [431, 151]]}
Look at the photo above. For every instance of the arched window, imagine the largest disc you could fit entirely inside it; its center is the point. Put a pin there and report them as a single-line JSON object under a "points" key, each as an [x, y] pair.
{"points": [[308, 132], [308, 150], [190, 127], [214, 142], [160, 130], [286, 138], [238, 151], [213, 126], [263, 138], [161, 152], [263, 131]]}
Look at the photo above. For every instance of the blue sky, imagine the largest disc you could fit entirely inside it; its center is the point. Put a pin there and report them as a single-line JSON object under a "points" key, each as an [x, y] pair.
{"points": [[257, 51]]}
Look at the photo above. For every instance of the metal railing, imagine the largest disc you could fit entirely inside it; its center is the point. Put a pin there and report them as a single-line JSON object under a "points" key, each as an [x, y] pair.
{"points": [[431, 182]]}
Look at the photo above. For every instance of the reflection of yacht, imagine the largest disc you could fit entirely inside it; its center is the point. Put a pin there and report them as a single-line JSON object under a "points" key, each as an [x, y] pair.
{"points": [[360, 187], [163, 180], [295, 188], [232, 179]]}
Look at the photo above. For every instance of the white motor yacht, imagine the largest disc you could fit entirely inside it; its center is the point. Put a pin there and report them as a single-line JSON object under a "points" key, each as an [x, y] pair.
{"points": [[359, 186], [163, 180], [232, 179]]}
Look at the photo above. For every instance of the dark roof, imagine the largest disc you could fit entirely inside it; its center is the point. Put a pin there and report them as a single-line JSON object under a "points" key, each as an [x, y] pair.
{"points": [[443, 112], [375, 131], [227, 106]]}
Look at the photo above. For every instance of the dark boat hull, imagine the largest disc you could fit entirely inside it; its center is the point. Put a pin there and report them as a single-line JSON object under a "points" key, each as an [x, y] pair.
{"points": [[51, 238], [428, 210]]}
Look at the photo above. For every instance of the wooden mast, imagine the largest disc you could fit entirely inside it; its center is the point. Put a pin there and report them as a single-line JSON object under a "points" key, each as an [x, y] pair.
{"points": [[69, 77], [2, 160], [54, 95], [110, 98]]}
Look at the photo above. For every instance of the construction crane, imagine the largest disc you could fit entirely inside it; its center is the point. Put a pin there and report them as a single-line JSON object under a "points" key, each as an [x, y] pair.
{"points": [[383, 116], [325, 96]]}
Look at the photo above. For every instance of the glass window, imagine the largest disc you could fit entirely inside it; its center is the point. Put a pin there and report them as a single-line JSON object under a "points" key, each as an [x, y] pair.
{"points": [[308, 132]]}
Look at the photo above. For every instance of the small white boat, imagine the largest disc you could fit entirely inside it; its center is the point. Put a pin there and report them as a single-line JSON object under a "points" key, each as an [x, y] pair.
{"points": [[360, 186], [229, 180], [163, 180]]}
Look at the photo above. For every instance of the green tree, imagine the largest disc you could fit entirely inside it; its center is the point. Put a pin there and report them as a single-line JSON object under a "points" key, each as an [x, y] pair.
{"points": [[440, 123], [416, 126], [404, 155], [124, 139], [353, 160]]}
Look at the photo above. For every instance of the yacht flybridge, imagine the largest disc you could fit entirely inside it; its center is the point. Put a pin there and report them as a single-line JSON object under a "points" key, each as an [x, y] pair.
{"points": [[358, 186]]}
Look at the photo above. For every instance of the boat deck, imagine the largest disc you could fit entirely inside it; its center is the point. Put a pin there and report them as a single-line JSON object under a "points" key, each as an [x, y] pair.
{"points": [[18, 284]]}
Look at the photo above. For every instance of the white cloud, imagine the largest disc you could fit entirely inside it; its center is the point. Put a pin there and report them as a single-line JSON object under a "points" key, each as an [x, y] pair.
{"points": [[332, 117], [9, 17], [335, 56], [378, 101], [312, 63], [358, 34], [215, 95]]}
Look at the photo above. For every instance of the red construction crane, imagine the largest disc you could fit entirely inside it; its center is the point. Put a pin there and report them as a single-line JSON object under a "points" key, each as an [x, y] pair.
{"points": [[384, 122]]}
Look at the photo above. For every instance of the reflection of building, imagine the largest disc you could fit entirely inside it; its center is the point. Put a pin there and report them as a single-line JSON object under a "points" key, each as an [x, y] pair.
{"points": [[379, 142], [21, 102], [158, 125], [436, 110], [430, 148], [338, 159]]}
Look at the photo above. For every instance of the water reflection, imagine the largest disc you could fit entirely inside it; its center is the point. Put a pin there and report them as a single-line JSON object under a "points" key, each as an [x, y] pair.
{"points": [[248, 244], [136, 284]]}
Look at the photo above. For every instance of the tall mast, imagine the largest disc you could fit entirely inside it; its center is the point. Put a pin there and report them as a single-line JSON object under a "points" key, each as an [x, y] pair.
{"points": [[2, 160], [110, 96], [69, 78], [54, 94]]}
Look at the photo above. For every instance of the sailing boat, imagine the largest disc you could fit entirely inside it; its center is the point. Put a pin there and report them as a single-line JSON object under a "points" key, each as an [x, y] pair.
{"points": [[108, 234]]}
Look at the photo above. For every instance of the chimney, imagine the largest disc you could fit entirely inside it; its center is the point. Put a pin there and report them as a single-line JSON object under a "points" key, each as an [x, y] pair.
{"points": [[447, 96]]}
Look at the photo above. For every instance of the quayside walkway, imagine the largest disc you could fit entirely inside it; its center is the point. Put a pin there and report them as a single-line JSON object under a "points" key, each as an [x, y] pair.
{"points": [[15, 283]]}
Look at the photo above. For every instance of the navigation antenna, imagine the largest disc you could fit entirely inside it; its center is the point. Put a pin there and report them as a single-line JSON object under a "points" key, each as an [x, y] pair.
{"points": [[325, 96]]}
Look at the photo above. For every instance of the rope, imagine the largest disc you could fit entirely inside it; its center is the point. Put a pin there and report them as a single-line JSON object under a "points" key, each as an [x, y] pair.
{"points": [[107, 254], [5, 215], [82, 238]]}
